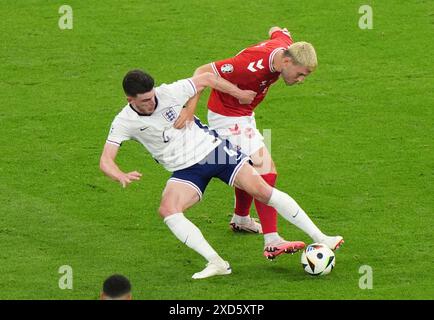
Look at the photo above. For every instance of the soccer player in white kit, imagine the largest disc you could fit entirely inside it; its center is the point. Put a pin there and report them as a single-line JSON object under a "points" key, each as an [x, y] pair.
{"points": [[194, 154]]}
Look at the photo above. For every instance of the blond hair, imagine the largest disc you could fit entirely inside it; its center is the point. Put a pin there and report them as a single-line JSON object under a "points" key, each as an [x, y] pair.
{"points": [[303, 54]]}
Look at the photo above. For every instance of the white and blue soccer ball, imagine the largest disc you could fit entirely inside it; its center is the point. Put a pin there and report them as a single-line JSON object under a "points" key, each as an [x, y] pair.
{"points": [[317, 259]]}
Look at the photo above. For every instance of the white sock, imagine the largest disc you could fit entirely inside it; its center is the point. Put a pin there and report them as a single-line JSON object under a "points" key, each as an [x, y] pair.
{"points": [[271, 237], [241, 219], [291, 211], [191, 236]]}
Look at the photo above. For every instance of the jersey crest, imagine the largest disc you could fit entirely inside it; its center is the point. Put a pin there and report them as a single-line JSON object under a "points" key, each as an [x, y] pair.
{"points": [[170, 115]]}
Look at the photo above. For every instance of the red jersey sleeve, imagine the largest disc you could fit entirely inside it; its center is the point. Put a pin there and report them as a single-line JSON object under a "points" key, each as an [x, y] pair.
{"points": [[232, 69], [282, 35]]}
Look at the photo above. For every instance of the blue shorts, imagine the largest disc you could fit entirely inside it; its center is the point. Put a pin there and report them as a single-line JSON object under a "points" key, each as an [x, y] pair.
{"points": [[223, 162]]}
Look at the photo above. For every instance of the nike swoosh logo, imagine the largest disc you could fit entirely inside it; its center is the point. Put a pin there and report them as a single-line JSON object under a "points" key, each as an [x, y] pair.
{"points": [[143, 129]]}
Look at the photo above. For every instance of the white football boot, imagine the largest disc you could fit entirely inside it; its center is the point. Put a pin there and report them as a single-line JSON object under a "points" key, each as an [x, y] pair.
{"points": [[214, 269], [252, 226], [333, 243]]}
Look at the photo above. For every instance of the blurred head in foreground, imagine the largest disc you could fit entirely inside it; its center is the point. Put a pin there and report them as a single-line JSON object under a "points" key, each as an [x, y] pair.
{"points": [[116, 287]]}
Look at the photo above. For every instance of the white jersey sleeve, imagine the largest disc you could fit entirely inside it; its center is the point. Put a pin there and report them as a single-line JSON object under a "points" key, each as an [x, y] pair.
{"points": [[180, 91], [118, 132]]}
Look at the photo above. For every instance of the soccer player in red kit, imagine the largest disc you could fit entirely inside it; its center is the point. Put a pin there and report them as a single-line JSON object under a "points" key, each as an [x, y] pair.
{"points": [[257, 68]]}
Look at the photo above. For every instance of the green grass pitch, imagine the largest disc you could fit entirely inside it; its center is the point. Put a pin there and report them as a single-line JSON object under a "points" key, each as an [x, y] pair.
{"points": [[353, 145]]}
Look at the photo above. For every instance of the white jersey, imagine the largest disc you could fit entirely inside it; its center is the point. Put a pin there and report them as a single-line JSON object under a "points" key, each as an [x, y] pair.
{"points": [[174, 149]]}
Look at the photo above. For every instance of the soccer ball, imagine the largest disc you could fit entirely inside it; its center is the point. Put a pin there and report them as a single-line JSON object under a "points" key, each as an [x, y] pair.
{"points": [[317, 259]]}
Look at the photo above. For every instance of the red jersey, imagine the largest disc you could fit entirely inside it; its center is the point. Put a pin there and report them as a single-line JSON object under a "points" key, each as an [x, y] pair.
{"points": [[251, 69]]}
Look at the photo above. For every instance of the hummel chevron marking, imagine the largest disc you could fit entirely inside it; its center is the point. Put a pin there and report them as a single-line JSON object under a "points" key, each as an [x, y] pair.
{"points": [[259, 65]]}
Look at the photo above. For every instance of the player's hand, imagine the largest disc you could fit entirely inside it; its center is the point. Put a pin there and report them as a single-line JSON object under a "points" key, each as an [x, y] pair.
{"points": [[126, 178], [184, 117], [247, 97]]}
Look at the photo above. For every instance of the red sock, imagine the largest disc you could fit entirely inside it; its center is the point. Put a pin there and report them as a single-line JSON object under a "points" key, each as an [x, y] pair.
{"points": [[243, 202], [267, 215]]}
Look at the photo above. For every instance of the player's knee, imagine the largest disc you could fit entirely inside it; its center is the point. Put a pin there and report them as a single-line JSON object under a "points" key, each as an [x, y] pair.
{"points": [[272, 168], [264, 164], [166, 209], [262, 192]]}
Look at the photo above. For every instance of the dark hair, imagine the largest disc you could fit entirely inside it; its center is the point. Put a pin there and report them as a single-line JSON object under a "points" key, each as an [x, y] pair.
{"points": [[116, 286], [136, 81]]}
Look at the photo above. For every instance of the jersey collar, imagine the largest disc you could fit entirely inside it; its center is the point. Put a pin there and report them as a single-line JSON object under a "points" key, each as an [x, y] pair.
{"points": [[271, 58]]}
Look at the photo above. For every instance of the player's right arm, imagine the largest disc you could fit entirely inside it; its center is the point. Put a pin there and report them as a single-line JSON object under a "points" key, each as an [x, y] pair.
{"points": [[272, 30], [283, 34], [108, 165]]}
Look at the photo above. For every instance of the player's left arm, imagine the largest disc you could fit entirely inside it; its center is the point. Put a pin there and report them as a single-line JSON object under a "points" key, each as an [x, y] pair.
{"points": [[206, 78], [187, 113]]}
